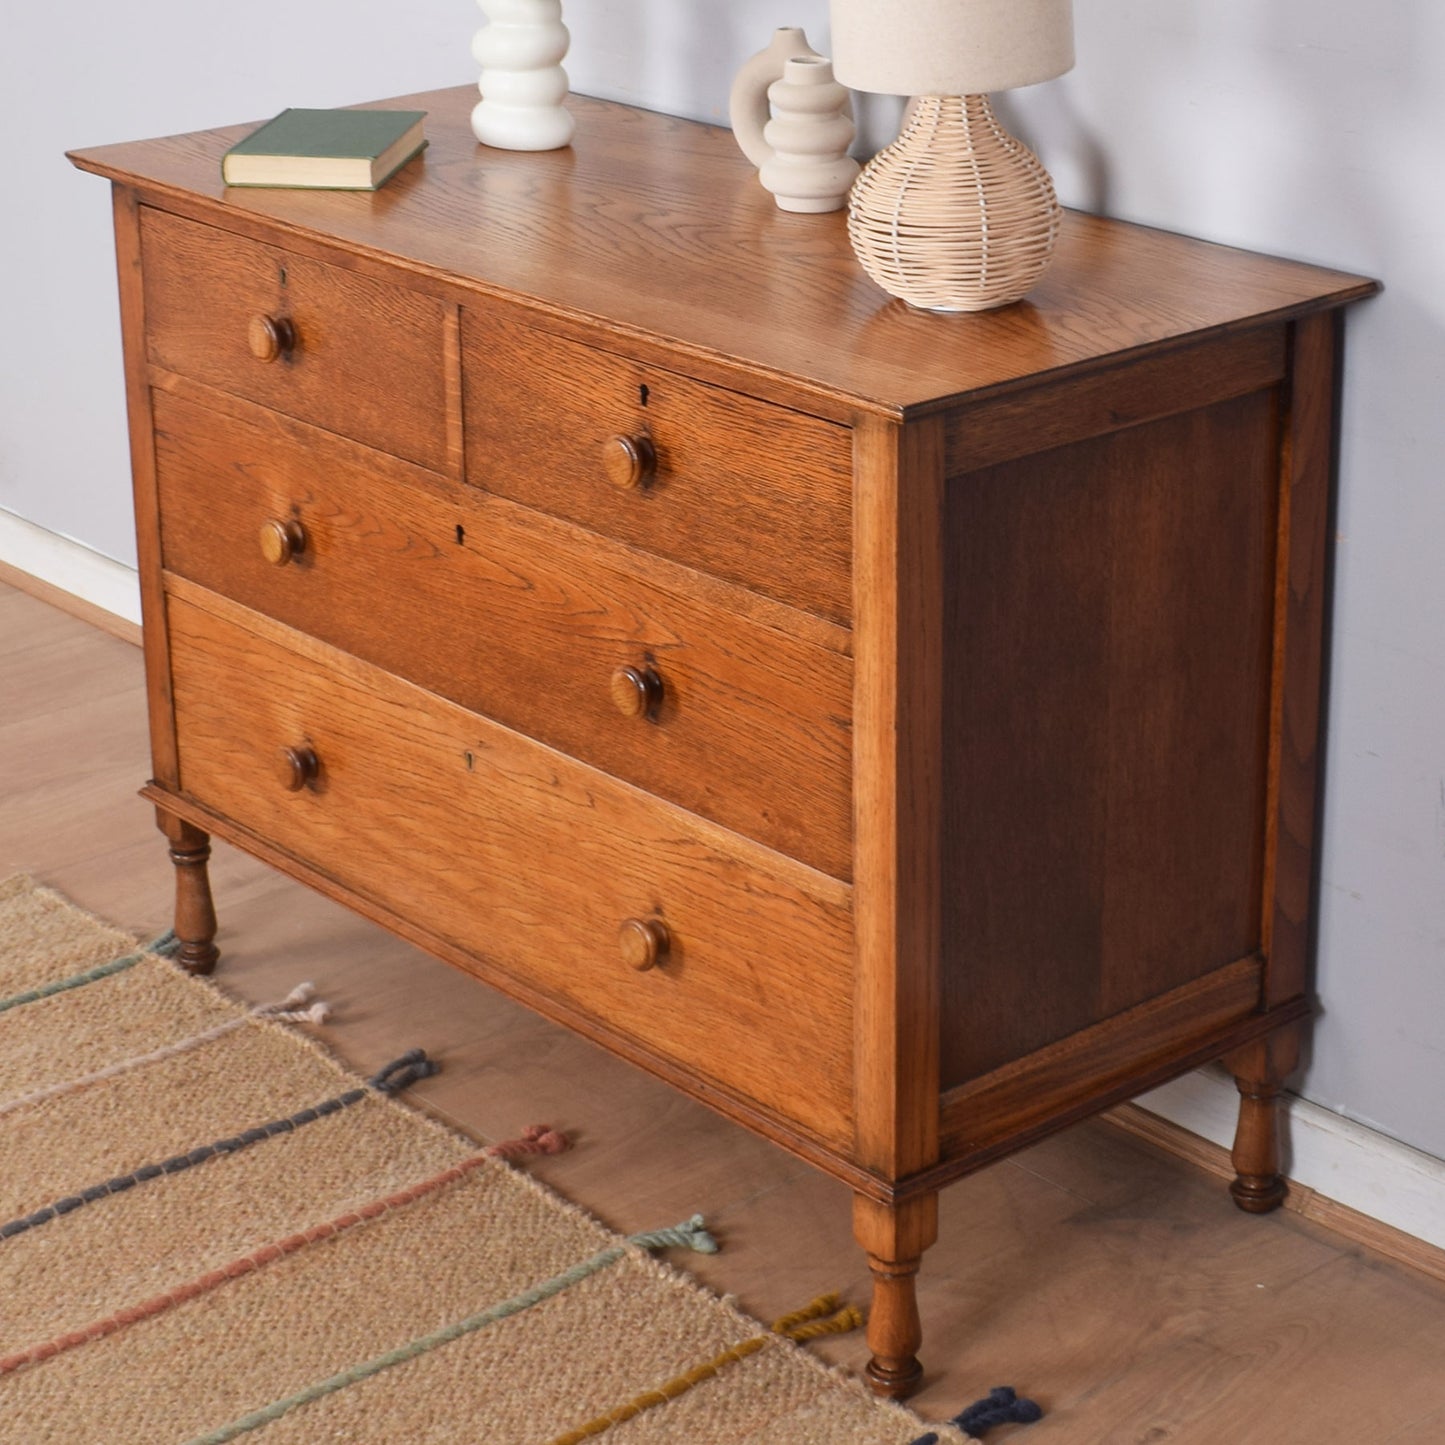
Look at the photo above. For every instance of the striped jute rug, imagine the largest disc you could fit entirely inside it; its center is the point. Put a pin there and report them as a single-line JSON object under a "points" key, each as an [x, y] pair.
{"points": [[209, 1230]]}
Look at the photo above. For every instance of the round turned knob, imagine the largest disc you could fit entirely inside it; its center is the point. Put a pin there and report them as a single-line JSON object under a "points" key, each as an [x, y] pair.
{"points": [[270, 337], [629, 461], [281, 540], [644, 942], [296, 767], [636, 691]]}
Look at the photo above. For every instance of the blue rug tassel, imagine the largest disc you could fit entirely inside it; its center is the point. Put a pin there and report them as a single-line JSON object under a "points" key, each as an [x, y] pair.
{"points": [[1001, 1407]]}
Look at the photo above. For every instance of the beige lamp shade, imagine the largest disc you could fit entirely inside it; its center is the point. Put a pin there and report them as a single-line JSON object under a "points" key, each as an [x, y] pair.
{"points": [[950, 47]]}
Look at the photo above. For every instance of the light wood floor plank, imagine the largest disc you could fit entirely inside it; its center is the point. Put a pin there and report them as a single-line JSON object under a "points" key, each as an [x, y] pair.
{"points": [[1116, 1284]]}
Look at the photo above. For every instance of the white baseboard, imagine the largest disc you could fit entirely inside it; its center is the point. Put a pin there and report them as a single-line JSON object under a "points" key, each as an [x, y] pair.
{"points": [[70, 566], [1358, 1167]]}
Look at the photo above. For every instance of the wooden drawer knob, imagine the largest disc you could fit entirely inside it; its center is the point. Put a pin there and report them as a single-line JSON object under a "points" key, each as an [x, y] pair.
{"points": [[644, 943], [296, 768], [281, 540], [270, 337], [636, 691], [629, 461]]}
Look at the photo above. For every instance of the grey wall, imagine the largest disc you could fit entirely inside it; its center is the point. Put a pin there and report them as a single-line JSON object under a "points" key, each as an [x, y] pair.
{"points": [[1306, 127]]}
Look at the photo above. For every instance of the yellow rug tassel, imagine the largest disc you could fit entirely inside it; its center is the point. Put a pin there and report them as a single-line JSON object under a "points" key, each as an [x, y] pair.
{"points": [[822, 1317]]}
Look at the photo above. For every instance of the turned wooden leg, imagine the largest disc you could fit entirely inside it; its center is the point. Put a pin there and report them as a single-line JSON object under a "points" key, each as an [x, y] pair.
{"points": [[894, 1237], [195, 912], [1260, 1070]]}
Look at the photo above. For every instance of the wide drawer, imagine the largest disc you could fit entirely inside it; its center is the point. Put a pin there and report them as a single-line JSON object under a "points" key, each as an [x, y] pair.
{"points": [[536, 624], [735, 486], [533, 862], [354, 355]]}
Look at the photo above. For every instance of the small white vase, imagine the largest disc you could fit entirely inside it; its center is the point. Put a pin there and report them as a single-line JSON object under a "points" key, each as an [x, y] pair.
{"points": [[748, 98], [808, 166], [522, 83]]}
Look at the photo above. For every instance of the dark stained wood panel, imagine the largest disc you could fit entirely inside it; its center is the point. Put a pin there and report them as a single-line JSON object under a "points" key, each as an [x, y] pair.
{"points": [[1109, 610], [658, 229]]}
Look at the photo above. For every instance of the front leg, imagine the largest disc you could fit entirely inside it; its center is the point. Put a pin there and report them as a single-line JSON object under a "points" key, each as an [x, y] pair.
{"points": [[195, 912], [1259, 1070], [895, 1237]]}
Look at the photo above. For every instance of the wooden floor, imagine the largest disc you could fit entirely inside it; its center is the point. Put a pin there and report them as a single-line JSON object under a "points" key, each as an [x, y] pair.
{"points": [[1114, 1284]]}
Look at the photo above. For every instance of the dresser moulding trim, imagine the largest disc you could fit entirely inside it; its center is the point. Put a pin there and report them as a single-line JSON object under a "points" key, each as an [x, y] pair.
{"points": [[898, 564], [674, 579], [1029, 1125], [1297, 701], [155, 634], [1139, 390], [1007, 1096]]}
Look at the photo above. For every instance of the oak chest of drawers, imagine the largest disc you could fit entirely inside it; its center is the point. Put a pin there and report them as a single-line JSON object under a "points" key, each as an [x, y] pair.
{"points": [[898, 731]]}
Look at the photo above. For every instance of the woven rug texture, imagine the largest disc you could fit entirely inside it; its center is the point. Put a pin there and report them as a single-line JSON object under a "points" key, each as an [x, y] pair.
{"points": [[358, 1274]]}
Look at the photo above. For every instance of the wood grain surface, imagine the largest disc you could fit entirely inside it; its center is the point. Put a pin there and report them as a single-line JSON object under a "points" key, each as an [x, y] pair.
{"points": [[366, 360], [739, 488], [1107, 686], [467, 595], [513, 851], [657, 230]]}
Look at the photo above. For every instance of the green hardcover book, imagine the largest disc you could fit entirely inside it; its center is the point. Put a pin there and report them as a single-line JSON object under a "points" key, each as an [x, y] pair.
{"points": [[341, 150]]}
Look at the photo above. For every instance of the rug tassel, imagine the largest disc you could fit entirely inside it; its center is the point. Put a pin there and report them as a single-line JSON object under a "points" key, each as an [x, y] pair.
{"points": [[825, 1304], [1001, 1406], [691, 1234], [300, 1006], [840, 1322], [535, 1139], [401, 1072], [166, 944]]}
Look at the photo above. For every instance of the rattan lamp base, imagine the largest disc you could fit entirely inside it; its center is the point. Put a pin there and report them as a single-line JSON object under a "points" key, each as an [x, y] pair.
{"points": [[955, 215]]}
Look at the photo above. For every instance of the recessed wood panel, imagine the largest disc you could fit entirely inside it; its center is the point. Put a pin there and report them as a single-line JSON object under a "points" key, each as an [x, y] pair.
{"points": [[1108, 610]]}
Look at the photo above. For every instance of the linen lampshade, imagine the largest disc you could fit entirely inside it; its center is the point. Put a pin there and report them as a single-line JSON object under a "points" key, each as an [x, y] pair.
{"points": [[950, 47]]}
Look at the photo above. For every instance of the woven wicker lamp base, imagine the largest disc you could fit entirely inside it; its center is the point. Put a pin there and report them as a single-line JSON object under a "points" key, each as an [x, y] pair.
{"points": [[955, 215]]}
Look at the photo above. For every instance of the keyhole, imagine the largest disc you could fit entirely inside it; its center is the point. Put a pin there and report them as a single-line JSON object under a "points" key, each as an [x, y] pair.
{"points": [[461, 534], [642, 393]]}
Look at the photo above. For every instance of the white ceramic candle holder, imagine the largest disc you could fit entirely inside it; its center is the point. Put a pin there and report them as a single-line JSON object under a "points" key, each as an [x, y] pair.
{"points": [[523, 84], [808, 167]]}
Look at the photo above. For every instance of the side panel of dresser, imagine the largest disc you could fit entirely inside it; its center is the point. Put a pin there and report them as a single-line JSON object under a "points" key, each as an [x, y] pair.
{"points": [[1133, 628], [1002, 709]]}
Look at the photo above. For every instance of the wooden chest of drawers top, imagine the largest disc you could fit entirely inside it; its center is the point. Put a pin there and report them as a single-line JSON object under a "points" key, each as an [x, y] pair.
{"points": [[654, 232]]}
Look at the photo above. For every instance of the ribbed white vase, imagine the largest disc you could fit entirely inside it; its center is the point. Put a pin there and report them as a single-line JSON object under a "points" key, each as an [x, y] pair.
{"points": [[808, 167], [523, 84]]}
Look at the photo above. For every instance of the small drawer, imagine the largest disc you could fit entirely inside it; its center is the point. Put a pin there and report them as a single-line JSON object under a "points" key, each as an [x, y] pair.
{"points": [[704, 949], [713, 479], [549, 629], [357, 356]]}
